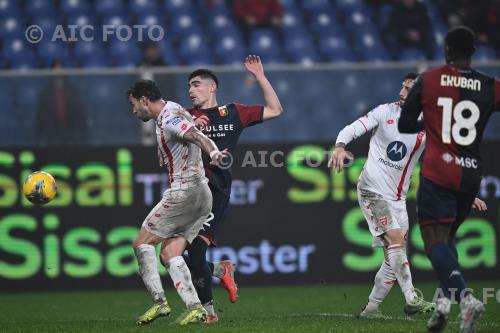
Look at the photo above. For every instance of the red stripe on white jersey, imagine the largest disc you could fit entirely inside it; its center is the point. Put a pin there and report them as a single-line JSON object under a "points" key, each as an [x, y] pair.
{"points": [[420, 137], [363, 125], [168, 153]]}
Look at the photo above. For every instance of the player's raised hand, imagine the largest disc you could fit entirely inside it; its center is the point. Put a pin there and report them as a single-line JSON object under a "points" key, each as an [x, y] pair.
{"points": [[202, 121], [218, 157], [254, 65], [339, 158], [479, 204]]}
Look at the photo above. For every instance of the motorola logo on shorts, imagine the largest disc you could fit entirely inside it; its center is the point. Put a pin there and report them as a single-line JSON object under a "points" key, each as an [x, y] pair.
{"points": [[396, 151]]}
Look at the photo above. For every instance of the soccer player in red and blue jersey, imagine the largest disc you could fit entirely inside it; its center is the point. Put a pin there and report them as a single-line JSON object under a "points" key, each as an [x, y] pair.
{"points": [[456, 102], [223, 124]]}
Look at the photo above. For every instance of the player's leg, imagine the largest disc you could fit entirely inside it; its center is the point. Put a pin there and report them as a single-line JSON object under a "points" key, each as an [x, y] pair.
{"points": [[383, 223], [451, 279], [171, 255], [384, 219], [396, 253], [437, 211], [224, 270], [420, 305], [190, 218], [384, 280], [144, 248], [471, 308], [200, 269]]}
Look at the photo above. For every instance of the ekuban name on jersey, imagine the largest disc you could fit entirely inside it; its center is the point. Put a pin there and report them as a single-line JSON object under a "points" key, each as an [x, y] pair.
{"points": [[460, 81]]}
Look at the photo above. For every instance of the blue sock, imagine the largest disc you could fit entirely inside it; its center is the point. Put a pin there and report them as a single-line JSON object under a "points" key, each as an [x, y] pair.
{"points": [[200, 270], [446, 266], [453, 247], [212, 267]]}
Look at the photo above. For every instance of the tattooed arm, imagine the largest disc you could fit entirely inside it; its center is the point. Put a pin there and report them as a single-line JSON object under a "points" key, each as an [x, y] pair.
{"points": [[195, 136]]}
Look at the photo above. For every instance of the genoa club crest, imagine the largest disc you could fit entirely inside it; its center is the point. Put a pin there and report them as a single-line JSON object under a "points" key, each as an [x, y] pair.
{"points": [[223, 111]]}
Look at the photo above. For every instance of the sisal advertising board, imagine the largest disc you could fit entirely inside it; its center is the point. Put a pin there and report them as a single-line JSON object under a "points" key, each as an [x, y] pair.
{"points": [[291, 220]]}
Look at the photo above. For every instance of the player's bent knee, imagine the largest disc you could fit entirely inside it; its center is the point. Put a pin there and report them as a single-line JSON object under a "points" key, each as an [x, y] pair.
{"points": [[164, 257], [139, 240], [145, 237], [394, 237], [434, 234]]}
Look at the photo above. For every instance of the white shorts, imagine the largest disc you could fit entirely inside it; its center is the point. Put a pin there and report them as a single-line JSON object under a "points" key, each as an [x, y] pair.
{"points": [[180, 213], [383, 215]]}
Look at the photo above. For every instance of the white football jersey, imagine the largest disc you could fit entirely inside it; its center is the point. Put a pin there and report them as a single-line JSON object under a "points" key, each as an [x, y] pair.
{"points": [[392, 155], [183, 159]]}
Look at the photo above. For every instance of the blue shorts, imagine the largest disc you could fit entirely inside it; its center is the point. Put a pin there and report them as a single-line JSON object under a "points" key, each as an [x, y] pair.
{"points": [[437, 205], [220, 204]]}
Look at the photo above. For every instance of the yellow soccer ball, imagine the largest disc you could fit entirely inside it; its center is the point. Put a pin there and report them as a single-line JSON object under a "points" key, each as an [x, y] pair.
{"points": [[40, 188]]}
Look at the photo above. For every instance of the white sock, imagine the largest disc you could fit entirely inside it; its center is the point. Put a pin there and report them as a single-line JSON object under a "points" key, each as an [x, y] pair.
{"points": [[218, 269], [148, 269], [384, 280], [396, 254], [181, 277], [209, 306]]}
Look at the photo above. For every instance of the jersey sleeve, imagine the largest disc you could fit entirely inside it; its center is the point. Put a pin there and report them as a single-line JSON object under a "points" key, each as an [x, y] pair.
{"points": [[497, 94], [176, 127], [360, 126], [250, 114], [408, 121]]}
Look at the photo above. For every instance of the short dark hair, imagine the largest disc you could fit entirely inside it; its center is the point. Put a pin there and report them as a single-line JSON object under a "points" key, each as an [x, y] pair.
{"points": [[410, 76], [145, 88], [204, 74], [460, 42]]}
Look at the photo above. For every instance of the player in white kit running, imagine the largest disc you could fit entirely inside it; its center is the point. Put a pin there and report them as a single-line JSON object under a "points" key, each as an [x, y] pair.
{"points": [[178, 217], [382, 189]]}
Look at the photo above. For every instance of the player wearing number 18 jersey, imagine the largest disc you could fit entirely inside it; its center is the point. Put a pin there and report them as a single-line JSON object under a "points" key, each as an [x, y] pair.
{"points": [[456, 102]]}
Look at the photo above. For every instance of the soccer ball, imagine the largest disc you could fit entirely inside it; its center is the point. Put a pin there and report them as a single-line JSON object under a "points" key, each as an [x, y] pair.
{"points": [[40, 188]]}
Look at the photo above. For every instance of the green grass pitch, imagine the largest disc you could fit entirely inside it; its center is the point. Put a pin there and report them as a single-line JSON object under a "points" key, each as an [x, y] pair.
{"points": [[321, 308]]}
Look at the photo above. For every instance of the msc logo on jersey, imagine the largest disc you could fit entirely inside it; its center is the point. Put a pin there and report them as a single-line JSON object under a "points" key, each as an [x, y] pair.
{"points": [[447, 157], [396, 151]]}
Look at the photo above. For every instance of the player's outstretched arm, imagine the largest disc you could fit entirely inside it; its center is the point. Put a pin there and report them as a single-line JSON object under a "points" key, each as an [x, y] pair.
{"points": [[195, 136], [339, 155], [272, 105]]}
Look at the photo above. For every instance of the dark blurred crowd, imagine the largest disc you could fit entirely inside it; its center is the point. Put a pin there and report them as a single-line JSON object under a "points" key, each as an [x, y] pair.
{"points": [[482, 16], [409, 23]]}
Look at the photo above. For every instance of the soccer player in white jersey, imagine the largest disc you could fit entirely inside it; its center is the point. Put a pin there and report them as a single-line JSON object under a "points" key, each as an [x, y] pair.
{"points": [[178, 217], [382, 189]]}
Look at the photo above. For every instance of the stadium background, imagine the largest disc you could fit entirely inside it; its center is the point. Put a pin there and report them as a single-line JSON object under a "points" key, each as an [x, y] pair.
{"points": [[329, 62]]}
